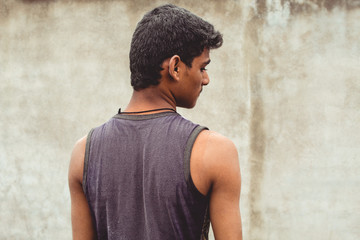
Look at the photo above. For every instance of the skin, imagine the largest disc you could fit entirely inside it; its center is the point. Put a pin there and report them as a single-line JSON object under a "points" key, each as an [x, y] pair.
{"points": [[214, 164]]}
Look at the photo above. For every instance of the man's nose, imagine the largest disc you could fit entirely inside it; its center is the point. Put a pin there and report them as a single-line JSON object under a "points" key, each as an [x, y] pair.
{"points": [[206, 79]]}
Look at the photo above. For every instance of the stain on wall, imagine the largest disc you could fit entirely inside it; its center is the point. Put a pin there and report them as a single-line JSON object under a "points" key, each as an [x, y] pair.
{"points": [[257, 134], [292, 45]]}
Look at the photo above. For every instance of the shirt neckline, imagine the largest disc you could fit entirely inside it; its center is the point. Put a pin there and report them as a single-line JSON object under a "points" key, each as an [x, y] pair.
{"points": [[144, 116]]}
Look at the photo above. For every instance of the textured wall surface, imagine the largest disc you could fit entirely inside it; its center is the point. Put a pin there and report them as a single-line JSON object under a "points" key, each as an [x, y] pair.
{"points": [[284, 87]]}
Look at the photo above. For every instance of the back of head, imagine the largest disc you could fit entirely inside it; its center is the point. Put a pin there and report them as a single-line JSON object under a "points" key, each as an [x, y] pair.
{"points": [[163, 32]]}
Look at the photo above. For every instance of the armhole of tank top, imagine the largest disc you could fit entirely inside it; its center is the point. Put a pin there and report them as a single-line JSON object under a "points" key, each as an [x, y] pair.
{"points": [[86, 160], [187, 156]]}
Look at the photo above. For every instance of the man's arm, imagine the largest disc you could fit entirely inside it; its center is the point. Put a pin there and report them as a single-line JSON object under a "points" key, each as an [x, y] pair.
{"points": [[82, 227], [219, 172]]}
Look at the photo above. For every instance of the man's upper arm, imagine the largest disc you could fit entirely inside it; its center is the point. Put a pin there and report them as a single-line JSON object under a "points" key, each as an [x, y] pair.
{"points": [[224, 173], [82, 227]]}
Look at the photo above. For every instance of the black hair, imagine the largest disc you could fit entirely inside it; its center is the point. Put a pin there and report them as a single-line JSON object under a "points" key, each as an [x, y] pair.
{"points": [[163, 32]]}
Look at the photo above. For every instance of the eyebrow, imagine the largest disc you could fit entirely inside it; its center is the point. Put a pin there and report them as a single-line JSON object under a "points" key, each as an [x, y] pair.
{"points": [[207, 62]]}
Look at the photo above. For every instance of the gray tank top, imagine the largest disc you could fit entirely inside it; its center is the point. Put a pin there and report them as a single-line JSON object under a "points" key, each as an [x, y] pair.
{"points": [[137, 179]]}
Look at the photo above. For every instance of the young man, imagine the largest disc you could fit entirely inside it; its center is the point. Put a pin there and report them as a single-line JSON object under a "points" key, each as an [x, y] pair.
{"points": [[148, 173]]}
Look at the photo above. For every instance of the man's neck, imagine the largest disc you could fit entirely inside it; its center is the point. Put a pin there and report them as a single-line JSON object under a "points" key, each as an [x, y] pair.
{"points": [[150, 98]]}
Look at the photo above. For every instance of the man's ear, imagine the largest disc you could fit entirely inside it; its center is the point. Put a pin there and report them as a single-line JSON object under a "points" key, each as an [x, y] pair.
{"points": [[174, 67]]}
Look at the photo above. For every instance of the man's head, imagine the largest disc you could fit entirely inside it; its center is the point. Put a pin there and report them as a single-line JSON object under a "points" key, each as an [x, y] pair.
{"points": [[162, 33]]}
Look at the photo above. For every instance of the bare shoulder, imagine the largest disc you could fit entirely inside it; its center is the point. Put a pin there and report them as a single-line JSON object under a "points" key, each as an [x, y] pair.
{"points": [[224, 142], [221, 171], [214, 161], [77, 161], [223, 160], [218, 149], [212, 137], [82, 226]]}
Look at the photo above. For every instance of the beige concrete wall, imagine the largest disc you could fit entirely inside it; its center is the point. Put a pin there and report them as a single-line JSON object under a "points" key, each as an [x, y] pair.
{"points": [[284, 87]]}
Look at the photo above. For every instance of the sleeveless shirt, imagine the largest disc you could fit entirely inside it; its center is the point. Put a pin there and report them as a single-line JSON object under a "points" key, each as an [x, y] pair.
{"points": [[137, 179]]}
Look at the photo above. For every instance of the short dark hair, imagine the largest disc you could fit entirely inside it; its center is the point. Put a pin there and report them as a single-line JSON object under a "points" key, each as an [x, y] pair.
{"points": [[163, 32]]}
